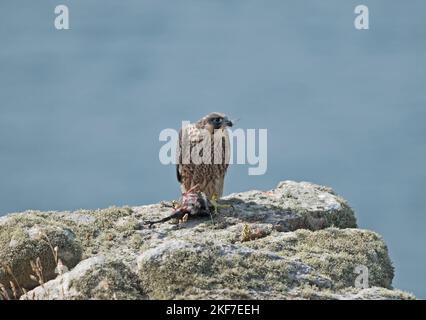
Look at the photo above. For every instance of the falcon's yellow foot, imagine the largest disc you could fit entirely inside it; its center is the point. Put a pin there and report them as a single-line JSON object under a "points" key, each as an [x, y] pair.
{"points": [[216, 206], [175, 204], [170, 204]]}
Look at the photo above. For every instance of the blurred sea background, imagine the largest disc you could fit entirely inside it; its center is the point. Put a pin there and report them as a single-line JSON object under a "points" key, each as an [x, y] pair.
{"points": [[81, 110]]}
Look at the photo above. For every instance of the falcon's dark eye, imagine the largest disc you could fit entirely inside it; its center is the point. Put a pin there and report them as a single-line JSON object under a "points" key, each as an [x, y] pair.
{"points": [[217, 121]]}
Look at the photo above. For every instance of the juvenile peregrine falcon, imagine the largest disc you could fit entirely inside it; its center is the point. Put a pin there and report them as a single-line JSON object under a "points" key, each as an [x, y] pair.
{"points": [[203, 155]]}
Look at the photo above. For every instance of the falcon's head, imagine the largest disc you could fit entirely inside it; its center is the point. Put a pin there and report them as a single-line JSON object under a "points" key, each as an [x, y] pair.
{"points": [[214, 121]]}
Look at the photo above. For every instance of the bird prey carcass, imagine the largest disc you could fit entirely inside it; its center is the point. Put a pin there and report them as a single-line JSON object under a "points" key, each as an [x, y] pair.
{"points": [[203, 154]]}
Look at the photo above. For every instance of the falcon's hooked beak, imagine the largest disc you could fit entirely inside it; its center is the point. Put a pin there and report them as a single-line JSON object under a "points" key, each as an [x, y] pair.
{"points": [[227, 123]]}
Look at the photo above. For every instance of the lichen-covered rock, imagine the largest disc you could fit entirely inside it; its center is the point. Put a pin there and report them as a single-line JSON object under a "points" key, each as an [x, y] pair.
{"points": [[182, 269], [269, 267], [335, 253], [293, 206], [28, 238], [297, 241], [93, 278]]}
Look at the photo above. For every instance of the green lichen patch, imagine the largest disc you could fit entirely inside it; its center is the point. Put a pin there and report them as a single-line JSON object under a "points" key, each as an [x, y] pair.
{"points": [[26, 238], [336, 253], [177, 269], [113, 281]]}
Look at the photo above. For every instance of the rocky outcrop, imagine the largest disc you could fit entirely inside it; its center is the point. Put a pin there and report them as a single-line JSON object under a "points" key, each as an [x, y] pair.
{"points": [[31, 247], [297, 241], [93, 278]]}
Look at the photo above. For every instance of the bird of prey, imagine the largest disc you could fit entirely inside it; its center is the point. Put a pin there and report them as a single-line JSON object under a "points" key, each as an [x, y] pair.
{"points": [[194, 167]]}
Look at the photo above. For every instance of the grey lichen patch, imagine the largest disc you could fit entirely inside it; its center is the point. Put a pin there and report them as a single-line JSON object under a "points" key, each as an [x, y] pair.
{"points": [[105, 229], [127, 226], [343, 218], [309, 292], [25, 238], [216, 294], [136, 241], [375, 293], [293, 206], [106, 218]]}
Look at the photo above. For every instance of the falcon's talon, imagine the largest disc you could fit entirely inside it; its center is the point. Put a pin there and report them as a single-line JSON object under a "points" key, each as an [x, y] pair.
{"points": [[216, 206]]}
